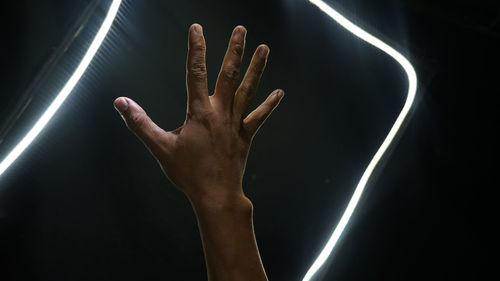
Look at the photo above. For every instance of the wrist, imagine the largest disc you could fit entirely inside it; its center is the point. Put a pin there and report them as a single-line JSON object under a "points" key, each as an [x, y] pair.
{"points": [[221, 203]]}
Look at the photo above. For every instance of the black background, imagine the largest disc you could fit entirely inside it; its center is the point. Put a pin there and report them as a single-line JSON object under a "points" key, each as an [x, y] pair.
{"points": [[87, 201]]}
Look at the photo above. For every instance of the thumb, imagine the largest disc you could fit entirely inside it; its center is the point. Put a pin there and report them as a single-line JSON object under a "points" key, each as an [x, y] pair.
{"points": [[140, 124]]}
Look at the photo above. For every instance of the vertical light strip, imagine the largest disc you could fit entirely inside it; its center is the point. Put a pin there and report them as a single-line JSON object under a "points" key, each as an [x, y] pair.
{"points": [[412, 89], [66, 90]]}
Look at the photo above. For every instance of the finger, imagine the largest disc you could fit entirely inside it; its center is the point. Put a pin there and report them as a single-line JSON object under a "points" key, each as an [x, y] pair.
{"points": [[196, 69], [227, 81], [246, 91], [256, 118], [141, 125]]}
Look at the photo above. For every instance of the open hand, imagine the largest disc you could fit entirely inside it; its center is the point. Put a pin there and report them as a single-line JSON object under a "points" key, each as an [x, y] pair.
{"points": [[206, 156]]}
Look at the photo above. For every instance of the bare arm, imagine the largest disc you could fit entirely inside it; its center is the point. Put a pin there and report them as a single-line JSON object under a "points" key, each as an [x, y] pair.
{"points": [[228, 238], [206, 156]]}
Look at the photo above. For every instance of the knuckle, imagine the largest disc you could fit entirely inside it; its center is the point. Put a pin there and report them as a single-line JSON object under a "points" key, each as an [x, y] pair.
{"points": [[237, 49], [259, 69], [209, 116], [202, 115], [268, 108], [190, 115], [247, 90], [231, 73], [136, 122], [247, 133], [198, 45], [198, 70]]}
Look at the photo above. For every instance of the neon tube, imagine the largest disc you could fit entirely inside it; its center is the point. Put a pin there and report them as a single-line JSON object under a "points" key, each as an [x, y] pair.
{"points": [[412, 89], [66, 90]]}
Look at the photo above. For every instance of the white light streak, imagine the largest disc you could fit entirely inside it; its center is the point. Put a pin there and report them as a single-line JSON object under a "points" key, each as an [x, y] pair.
{"points": [[412, 89], [66, 90]]}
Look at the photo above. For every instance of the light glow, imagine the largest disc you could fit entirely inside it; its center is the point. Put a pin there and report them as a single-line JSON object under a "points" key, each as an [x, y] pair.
{"points": [[412, 89], [66, 90]]}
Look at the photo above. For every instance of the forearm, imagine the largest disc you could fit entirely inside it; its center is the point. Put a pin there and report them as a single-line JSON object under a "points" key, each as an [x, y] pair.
{"points": [[226, 228]]}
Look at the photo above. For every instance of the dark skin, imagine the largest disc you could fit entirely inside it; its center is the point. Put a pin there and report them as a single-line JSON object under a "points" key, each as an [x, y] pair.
{"points": [[206, 156]]}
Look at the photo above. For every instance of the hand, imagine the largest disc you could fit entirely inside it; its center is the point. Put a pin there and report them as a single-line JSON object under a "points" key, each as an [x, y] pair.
{"points": [[206, 156]]}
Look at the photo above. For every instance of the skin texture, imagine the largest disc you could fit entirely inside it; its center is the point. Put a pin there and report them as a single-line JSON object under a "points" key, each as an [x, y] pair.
{"points": [[206, 156]]}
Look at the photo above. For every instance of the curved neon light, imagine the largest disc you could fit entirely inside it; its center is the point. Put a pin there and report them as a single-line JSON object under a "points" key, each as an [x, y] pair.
{"points": [[66, 90], [412, 89]]}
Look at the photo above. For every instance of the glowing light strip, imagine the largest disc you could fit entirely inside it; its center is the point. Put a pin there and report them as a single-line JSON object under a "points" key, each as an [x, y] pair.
{"points": [[66, 90], [412, 89]]}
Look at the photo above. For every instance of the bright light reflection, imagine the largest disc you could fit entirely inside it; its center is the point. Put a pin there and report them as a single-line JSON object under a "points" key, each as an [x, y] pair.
{"points": [[66, 90], [412, 89]]}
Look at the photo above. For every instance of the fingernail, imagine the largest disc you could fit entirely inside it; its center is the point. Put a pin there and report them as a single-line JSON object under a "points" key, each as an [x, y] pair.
{"points": [[278, 94], [263, 52], [238, 34], [121, 105], [198, 29]]}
